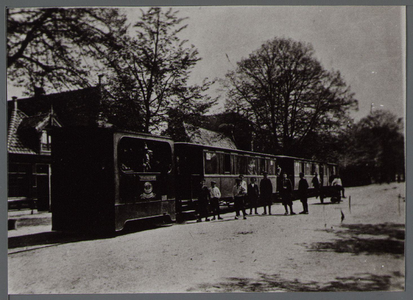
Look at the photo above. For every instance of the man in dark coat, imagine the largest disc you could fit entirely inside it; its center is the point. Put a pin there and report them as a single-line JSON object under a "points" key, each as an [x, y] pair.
{"points": [[253, 194], [266, 193], [203, 201], [302, 192], [286, 189]]}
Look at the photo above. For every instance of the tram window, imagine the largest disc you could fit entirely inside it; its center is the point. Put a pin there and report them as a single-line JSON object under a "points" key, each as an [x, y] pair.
{"points": [[297, 167], [235, 165], [220, 157], [258, 164], [242, 164], [227, 163], [263, 166], [138, 155], [252, 166], [307, 168], [271, 167], [211, 163]]}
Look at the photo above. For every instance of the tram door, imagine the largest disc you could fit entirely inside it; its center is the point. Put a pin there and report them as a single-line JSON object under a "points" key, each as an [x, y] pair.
{"points": [[321, 174]]}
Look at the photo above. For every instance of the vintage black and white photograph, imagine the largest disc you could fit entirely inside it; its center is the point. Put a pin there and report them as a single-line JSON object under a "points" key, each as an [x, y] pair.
{"points": [[206, 149]]}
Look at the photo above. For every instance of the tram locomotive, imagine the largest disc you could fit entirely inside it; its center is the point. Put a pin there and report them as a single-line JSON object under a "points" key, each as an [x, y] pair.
{"points": [[103, 178]]}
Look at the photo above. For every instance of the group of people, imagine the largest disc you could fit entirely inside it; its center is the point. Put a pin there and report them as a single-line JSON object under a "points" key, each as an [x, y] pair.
{"points": [[248, 195], [334, 181], [243, 194]]}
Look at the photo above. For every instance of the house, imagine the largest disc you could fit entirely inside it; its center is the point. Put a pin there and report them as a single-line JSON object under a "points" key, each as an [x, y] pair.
{"points": [[29, 140], [197, 135]]}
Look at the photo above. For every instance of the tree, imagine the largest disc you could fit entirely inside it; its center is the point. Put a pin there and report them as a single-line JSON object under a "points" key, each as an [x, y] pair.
{"points": [[379, 145], [150, 72], [146, 71], [49, 48], [287, 95]]}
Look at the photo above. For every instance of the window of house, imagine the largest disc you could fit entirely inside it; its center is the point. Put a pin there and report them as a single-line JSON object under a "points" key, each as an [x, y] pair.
{"points": [[45, 141], [19, 182]]}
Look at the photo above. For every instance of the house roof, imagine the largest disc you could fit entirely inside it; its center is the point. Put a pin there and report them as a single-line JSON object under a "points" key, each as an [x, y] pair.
{"points": [[39, 122], [22, 125], [206, 137], [74, 108], [14, 143]]}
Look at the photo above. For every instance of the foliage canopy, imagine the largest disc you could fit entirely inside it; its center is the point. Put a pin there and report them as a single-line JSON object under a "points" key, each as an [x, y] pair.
{"points": [[287, 95]]}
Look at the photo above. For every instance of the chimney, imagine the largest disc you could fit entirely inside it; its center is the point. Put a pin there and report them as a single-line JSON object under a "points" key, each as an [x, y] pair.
{"points": [[100, 79], [14, 102], [39, 91]]}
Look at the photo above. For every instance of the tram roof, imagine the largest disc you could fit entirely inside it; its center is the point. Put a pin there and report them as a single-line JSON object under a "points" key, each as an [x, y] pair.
{"points": [[305, 159], [226, 149], [250, 152]]}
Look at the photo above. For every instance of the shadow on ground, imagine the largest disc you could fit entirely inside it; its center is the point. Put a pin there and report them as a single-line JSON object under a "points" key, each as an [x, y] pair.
{"points": [[370, 239], [51, 238], [274, 283]]}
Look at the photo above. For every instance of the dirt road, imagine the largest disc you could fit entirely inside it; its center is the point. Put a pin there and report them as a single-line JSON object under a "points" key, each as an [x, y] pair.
{"points": [[356, 245]]}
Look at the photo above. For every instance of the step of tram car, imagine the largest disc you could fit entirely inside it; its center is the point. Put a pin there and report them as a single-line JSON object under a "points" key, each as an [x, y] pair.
{"points": [[186, 216]]}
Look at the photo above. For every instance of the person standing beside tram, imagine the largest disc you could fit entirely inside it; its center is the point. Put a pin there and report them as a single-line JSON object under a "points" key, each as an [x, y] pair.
{"points": [[302, 192], [215, 196], [338, 184], [243, 182], [286, 189], [266, 193], [239, 193], [245, 186], [316, 185], [203, 201], [253, 194]]}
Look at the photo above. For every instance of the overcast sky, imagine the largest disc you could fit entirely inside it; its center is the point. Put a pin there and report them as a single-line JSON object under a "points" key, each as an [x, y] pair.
{"points": [[366, 44]]}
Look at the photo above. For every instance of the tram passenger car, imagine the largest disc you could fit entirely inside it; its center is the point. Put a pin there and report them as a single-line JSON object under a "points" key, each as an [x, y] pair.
{"points": [[293, 166], [102, 179], [194, 162]]}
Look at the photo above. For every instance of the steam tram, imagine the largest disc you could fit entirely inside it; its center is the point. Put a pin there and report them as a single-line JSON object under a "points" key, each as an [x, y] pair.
{"points": [[102, 178]]}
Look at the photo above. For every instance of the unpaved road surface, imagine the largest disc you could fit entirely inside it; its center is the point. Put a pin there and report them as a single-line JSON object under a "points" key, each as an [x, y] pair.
{"points": [[320, 251]]}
